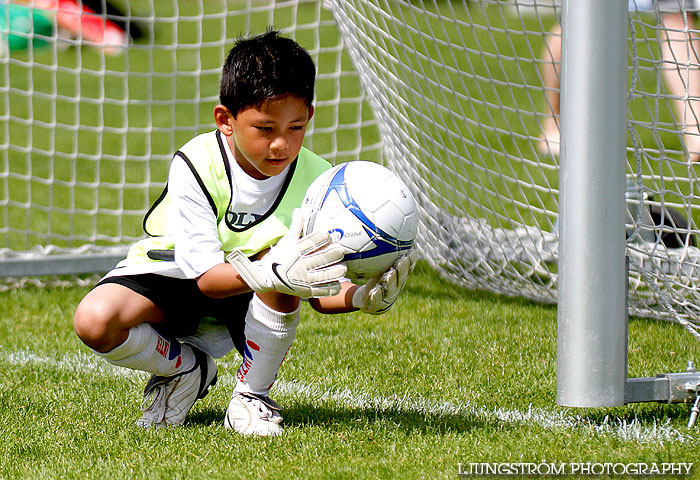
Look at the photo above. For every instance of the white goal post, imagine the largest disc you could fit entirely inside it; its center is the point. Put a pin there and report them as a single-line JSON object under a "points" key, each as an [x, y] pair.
{"points": [[453, 95], [592, 301]]}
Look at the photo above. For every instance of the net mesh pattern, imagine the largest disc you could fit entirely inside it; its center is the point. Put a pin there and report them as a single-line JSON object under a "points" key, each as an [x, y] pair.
{"points": [[454, 96]]}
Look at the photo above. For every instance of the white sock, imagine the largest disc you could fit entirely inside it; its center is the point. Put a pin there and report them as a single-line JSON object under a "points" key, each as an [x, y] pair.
{"points": [[145, 349], [269, 334]]}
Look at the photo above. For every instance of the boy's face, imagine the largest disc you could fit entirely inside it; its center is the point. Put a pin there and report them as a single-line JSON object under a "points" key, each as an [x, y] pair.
{"points": [[266, 139]]}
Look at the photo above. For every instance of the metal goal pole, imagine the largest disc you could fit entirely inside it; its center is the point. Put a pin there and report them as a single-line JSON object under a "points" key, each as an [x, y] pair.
{"points": [[591, 318]]}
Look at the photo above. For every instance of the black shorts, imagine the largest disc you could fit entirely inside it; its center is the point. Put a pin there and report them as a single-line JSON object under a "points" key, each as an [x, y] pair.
{"points": [[184, 305]]}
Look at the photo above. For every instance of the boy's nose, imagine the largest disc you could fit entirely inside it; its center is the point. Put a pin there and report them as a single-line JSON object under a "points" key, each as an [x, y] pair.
{"points": [[279, 144]]}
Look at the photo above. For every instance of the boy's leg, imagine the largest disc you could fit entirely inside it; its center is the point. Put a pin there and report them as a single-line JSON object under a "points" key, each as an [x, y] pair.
{"points": [[269, 333], [679, 46], [550, 139], [113, 320]]}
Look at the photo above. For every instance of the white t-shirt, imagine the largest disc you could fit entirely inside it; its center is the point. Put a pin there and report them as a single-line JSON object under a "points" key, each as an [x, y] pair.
{"points": [[190, 219]]}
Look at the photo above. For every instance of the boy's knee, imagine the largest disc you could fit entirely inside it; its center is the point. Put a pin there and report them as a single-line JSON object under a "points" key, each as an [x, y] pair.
{"points": [[91, 323]]}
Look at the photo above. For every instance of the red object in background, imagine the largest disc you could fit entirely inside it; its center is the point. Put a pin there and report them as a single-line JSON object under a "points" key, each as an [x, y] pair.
{"points": [[84, 23]]}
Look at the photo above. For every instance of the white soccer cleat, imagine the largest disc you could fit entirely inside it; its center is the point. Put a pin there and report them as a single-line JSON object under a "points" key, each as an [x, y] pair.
{"points": [[251, 414], [168, 399]]}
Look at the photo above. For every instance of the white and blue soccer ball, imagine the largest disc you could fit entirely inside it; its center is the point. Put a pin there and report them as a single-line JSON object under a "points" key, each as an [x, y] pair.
{"points": [[368, 210]]}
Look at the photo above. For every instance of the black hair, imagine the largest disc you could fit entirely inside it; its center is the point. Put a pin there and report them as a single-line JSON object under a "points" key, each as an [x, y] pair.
{"points": [[266, 66]]}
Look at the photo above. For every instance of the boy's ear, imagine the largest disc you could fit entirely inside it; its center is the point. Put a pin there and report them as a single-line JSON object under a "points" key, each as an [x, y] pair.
{"points": [[311, 111], [223, 119]]}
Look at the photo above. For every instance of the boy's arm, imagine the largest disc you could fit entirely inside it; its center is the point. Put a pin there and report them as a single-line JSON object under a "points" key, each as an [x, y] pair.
{"points": [[224, 280], [302, 266], [376, 296], [298, 266], [340, 303], [221, 281]]}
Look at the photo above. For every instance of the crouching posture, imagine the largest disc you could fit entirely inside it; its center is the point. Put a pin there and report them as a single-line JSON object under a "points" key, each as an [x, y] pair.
{"points": [[225, 265]]}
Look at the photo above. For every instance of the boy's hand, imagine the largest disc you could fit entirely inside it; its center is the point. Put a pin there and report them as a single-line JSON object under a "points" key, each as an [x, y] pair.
{"points": [[304, 267], [379, 293]]}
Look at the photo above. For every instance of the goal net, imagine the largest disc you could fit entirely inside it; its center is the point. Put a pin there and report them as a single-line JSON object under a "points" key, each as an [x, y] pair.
{"points": [[466, 95], [97, 95], [459, 97]]}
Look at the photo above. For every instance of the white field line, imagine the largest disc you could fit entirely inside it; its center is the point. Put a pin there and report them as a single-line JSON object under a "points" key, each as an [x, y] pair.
{"points": [[657, 432]]}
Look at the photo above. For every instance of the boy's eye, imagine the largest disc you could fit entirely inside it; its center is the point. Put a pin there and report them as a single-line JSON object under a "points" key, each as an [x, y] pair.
{"points": [[263, 129]]}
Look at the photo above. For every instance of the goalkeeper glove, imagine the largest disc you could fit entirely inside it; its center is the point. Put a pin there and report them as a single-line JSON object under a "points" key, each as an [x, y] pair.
{"points": [[304, 267], [379, 293]]}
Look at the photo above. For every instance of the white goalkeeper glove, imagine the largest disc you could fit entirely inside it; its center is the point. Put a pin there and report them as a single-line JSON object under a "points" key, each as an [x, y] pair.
{"points": [[379, 293], [304, 267]]}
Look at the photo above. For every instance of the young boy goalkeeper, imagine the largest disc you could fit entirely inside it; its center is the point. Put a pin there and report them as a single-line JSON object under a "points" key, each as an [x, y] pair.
{"points": [[175, 303]]}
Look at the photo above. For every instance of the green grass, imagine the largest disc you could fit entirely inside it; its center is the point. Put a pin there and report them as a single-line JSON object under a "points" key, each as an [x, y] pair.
{"points": [[437, 381]]}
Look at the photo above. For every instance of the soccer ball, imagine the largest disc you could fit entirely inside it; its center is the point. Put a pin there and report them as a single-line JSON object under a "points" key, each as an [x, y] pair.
{"points": [[368, 210]]}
